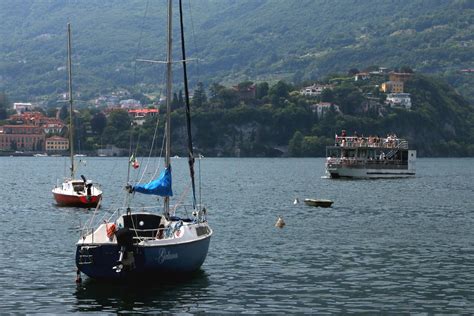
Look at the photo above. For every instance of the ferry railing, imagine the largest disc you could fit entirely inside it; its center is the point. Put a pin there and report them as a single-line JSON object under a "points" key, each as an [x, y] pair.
{"points": [[376, 142], [403, 144], [391, 153]]}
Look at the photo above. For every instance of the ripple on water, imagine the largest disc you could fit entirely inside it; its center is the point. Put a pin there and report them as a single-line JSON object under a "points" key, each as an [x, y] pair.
{"points": [[402, 246]]}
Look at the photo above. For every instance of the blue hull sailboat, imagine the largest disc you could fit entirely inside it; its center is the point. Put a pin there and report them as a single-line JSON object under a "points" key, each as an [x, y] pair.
{"points": [[147, 244], [146, 251]]}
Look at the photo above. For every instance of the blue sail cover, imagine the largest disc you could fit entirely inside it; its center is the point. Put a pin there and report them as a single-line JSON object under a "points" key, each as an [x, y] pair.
{"points": [[160, 186]]}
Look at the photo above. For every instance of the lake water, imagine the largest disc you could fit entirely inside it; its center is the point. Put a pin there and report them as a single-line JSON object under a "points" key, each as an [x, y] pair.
{"points": [[400, 245]]}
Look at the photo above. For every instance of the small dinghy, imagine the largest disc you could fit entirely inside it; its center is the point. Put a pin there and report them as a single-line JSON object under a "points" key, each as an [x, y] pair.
{"points": [[320, 203]]}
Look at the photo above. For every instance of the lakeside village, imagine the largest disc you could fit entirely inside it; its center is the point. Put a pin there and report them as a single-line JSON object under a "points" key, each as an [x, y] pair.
{"points": [[30, 132]]}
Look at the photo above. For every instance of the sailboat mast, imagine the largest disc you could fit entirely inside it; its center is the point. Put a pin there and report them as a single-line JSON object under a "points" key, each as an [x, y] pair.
{"points": [[168, 98], [188, 110], [69, 69]]}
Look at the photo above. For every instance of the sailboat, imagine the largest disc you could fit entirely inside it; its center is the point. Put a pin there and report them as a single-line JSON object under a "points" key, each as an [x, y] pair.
{"points": [[150, 242], [75, 192]]}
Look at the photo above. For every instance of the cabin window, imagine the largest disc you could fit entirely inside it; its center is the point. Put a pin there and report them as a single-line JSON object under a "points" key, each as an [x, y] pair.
{"points": [[78, 187]]}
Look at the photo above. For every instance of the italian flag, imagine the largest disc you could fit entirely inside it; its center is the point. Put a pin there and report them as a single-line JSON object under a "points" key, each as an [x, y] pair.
{"points": [[134, 162]]}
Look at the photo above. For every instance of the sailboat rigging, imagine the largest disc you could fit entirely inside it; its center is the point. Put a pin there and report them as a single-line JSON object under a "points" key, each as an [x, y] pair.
{"points": [[144, 244], [75, 192]]}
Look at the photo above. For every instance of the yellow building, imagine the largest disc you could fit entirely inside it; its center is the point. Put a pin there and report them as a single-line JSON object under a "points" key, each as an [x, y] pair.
{"points": [[399, 76], [57, 143], [392, 87]]}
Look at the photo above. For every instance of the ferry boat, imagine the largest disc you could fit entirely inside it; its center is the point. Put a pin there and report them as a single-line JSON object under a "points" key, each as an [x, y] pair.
{"points": [[370, 157]]}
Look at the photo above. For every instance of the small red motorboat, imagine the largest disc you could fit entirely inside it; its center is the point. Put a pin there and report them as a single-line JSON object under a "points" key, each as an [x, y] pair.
{"points": [[80, 193]]}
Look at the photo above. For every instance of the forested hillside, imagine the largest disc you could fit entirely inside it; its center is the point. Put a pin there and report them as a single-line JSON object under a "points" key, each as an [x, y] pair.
{"points": [[253, 40]]}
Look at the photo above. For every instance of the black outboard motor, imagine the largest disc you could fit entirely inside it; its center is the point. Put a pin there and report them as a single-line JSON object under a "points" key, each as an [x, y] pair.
{"points": [[124, 238], [125, 241], [89, 189], [87, 186]]}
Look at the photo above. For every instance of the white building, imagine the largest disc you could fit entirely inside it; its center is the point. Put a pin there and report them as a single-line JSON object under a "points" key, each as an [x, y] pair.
{"points": [[361, 76], [130, 103], [315, 89], [22, 107], [399, 100]]}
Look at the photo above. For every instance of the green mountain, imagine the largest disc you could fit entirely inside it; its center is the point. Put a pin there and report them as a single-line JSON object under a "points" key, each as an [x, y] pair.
{"points": [[257, 40]]}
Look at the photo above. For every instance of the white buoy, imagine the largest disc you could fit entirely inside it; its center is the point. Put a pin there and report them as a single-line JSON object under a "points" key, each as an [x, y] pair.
{"points": [[296, 201], [280, 222]]}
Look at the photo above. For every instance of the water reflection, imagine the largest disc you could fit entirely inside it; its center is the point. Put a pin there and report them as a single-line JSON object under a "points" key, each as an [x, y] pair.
{"points": [[182, 293]]}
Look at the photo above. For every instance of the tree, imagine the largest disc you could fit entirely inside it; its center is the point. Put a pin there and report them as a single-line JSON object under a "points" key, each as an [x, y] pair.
{"points": [[199, 98], [98, 123], [3, 113], [295, 144], [349, 98], [327, 95], [120, 120], [406, 69], [353, 71], [175, 102], [117, 130], [245, 85], [81, 126], [64, 112], [181, 102], [279, 93], [229, 98], [51, 112], [214, 90], [262, 90], [222, 96], [288, 119], [314, 146], [281, 90], [4, 104]]}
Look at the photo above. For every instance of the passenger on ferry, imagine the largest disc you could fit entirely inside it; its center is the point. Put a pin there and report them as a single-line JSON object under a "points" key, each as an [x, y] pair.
{"points": [[371, 141], [377, 141]]}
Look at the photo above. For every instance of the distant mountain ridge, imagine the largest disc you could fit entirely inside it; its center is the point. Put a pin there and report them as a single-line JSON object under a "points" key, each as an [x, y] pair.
{"points": [[234, 40]]}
